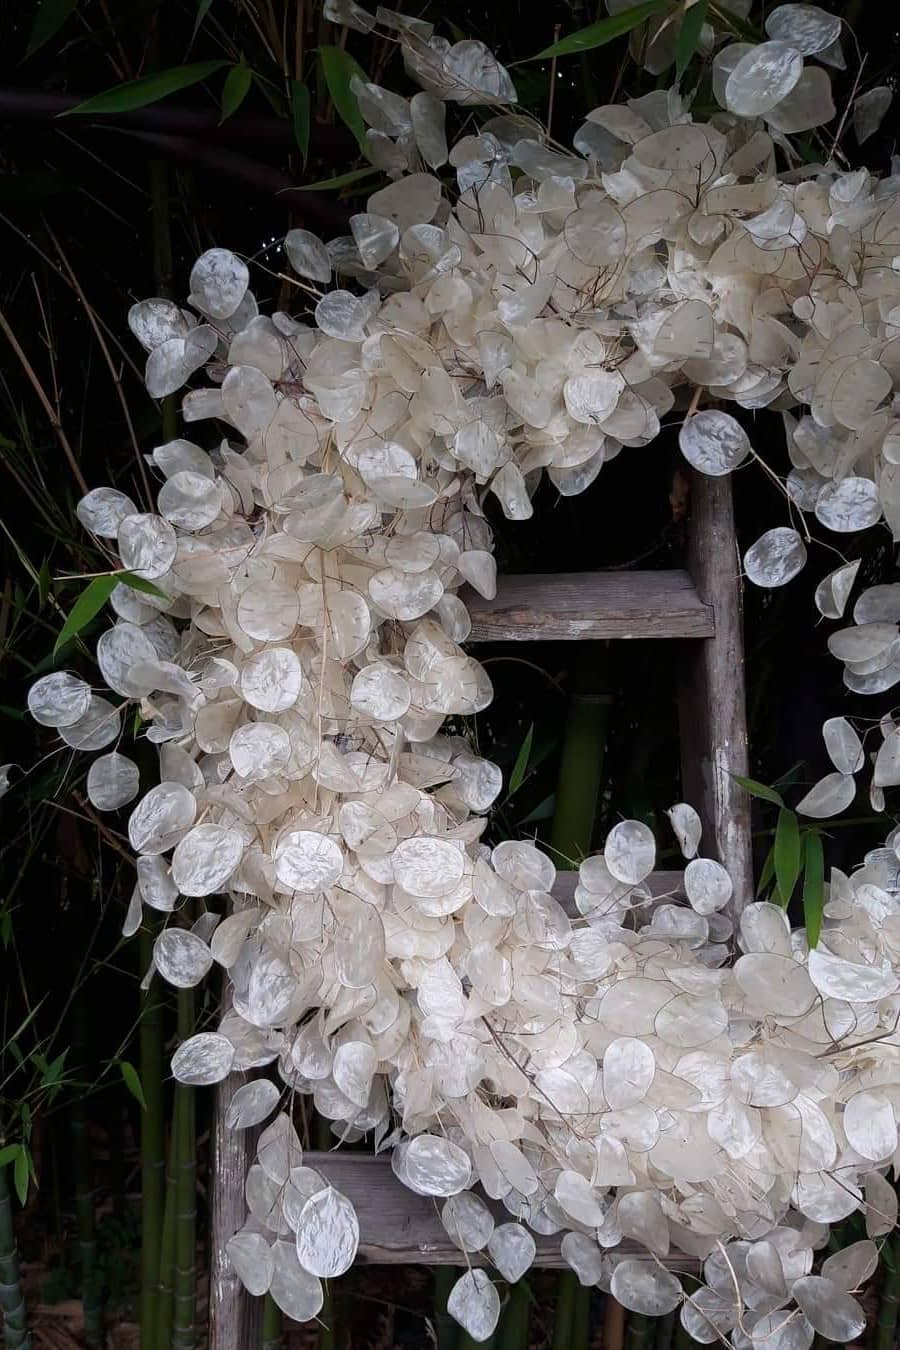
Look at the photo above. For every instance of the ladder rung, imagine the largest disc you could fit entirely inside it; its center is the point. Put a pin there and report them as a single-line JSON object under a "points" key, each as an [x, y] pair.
{"points": [[658, 883], [398, 1227], [571, 605]]}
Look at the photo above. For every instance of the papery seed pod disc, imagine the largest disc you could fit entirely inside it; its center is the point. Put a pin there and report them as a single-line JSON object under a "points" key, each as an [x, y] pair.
{"points": [[775, 558], [59, 700], [829, 1311], [206, 858], [714, 442], [162, 816], [251, 1104], [762, 78], [147, 545], [806, 27], [252, 1258], [475, 1304], [203, 1059], [102, 511], [296, 1291], [435, 1166], [112, 781], [306, 860], [643, 1288]]}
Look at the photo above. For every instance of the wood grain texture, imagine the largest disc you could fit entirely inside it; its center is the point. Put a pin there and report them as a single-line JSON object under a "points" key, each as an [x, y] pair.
{"points": [[397, 1227], [668, 884], [712, 708], [235, 1318], [575, 605]]}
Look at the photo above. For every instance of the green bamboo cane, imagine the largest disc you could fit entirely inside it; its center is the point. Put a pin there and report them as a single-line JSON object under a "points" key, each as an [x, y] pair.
{"points": [[886, 1327], [185, 1152], [271, 1325], [153, 1149], [665, 1330], [446, 1330], [639, 1333], [581, 1318], [563, 1321], [164, 1302], [513, 1331], [12, 1294], [577, 792], [682, 1340], [82, 1172]]}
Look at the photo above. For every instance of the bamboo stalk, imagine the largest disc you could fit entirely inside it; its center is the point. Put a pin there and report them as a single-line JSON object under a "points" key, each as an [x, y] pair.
{"points": [[581, 1318], [446, 1330], [513, 1332], [665, 1330], [12, 1294], [563, 1321], [164, 1303], [271, 1325], [682, 1339], [886, 1326], [640, 1330], [577, 792], [185, 1291], [82, 1173], [613, 1325], [153, 1150]]}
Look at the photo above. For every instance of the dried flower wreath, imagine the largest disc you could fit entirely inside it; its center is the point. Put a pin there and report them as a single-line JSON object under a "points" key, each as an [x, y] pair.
{"points": [[298, 647]]}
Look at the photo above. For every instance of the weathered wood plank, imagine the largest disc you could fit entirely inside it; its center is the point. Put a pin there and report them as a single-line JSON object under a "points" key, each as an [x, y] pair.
{"points": [[235, 1319], [574, 605], [398, 1227], [658, 883], [711, 702]]}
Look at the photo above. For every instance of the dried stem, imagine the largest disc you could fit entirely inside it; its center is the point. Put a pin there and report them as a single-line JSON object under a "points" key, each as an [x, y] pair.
{"points": [[51, 415]]}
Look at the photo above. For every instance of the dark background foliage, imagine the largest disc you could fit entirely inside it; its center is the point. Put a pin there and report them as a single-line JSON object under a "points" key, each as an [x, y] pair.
{"points": [[99, 211]]}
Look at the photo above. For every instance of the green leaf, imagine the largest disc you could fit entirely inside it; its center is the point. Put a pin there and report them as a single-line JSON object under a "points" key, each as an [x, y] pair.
{"points": [[235, 90], [340, 180], [132, 1080], [7, 1154], [543, 811], [767, 875], [520, 768], [202, 10], [44, 583], [139, 584], [21, 1168], [89, 603], [150, 89], [606, 30], [788, 851], [813, 886], [339, 67], [689, 36], [300, 105], [49, 19], [767, 794]]}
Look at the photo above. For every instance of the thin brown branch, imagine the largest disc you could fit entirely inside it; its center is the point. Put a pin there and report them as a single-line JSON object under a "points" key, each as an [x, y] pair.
{"points": [[114, 373], [52, 417]]}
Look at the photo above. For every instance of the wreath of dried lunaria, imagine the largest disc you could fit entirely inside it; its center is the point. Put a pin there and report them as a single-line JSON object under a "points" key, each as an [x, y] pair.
{"points": [[619, 1075]]}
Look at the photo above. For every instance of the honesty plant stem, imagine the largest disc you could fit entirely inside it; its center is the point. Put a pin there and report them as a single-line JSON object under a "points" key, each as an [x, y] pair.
{"points": [[153, 1149], [271, 1325], [12, 1295], [886, 1326], [82, 1174], [446, 1329], [513, 1333], [185, 1154]]}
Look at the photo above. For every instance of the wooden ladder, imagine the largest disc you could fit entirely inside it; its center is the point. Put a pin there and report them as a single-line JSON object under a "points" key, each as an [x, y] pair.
{"points": [[701, 608]]}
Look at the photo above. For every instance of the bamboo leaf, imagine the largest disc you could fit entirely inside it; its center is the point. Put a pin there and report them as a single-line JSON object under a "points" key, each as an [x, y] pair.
{"points": [[132, 1081], [788, 852], [767, 875], [150, 89], [235, 90], [520, 768], [21, 1168], [339, 67], [340, 180], [813, 886], [689, 36], [139, 584], [606, 30], [49, 19], [543, 811], [300, 106], [7, 1154], [89, 603], [202, 10], [766, 794]]}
